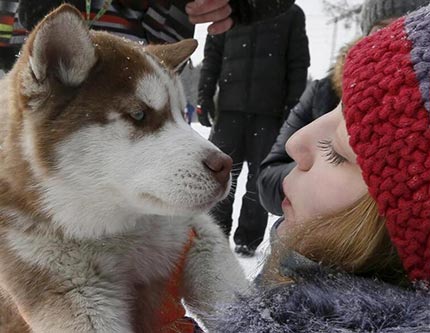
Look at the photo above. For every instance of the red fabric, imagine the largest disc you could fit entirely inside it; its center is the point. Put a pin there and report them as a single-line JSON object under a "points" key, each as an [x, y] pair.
{"points": [[199, 110], [389, 129], [8, 20], [171, 315]]}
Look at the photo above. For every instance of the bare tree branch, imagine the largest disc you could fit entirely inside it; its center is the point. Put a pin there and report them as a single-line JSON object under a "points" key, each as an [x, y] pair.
{"points": [[342, 10]]}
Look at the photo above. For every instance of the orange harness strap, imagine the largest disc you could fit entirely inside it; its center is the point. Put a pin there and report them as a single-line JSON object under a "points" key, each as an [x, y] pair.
{"points": [[171, 315]]}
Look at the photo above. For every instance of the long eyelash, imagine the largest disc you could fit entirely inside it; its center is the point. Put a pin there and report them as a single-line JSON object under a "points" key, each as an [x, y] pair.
{"points": [[330, 154]]}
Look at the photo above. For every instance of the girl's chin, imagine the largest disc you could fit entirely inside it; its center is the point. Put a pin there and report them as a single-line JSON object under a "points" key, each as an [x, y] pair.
{"points": [[289, 216], [284, 226]]}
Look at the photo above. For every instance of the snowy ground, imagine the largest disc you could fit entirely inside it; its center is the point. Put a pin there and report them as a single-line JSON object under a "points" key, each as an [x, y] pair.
{"points": [[251, 266]]}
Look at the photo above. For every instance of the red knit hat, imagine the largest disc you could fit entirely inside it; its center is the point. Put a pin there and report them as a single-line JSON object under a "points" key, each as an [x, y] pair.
{"points": [[386, 88]]}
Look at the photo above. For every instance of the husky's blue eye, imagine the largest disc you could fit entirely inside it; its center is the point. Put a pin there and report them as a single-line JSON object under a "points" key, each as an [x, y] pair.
{"points": [[138, 115]]}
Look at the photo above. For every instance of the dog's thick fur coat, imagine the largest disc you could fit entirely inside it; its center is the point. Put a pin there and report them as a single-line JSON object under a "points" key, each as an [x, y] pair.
{"points": [[101, 181]]}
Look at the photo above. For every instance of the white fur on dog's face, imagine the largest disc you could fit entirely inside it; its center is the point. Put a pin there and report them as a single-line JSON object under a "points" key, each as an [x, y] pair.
{"points": [[99, 169], [158, 173]]}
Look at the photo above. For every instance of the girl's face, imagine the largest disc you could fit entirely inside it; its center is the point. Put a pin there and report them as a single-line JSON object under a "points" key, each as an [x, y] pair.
{"points": [[327, 178]]}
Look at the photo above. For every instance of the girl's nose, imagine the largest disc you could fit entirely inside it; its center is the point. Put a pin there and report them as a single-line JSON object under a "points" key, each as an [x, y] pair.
{"points": [[299, 148]]}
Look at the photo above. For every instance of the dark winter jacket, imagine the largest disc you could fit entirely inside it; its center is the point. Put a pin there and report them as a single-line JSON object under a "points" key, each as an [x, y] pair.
{"points": [[251, 11], [321, 301], [260, 69], [320, 97]]}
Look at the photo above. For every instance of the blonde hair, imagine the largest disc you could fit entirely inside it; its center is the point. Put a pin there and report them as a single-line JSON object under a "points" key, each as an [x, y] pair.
{"points": [[354, 240]]}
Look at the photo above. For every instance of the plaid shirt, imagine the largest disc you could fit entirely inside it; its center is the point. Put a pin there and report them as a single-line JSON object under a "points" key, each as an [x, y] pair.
{"points": [[150, 22], [11, 32]]}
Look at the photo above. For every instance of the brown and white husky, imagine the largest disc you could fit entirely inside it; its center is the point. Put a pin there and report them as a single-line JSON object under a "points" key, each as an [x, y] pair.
{"points": [[101, 181]]}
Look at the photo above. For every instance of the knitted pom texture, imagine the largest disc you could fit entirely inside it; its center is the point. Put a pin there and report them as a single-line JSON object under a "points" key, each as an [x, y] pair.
{"points": [[386, 88]]}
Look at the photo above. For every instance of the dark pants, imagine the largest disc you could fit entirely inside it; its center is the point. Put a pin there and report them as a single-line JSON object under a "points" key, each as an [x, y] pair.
{"points": [[245, 137]]}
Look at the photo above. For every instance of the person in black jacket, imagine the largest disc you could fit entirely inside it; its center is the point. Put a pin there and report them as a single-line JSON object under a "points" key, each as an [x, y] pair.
{"points": [[261, 72], [147, 21], [320, 97]]}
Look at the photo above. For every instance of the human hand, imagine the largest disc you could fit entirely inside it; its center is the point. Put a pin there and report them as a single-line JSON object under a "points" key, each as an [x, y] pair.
{"points": [[216, 11], [203, 116]]}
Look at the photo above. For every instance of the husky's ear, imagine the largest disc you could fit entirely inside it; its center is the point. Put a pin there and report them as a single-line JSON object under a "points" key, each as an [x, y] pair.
{"points": [[173, 56], [61, 44]]}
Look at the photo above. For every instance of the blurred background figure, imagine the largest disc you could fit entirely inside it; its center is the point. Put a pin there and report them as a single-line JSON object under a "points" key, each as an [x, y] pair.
{"points": [[377, 14], [261, 72], [189, 112]]}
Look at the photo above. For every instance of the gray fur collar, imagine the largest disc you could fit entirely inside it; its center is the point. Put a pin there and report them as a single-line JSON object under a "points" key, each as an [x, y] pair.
{"points": [[327, 302]]}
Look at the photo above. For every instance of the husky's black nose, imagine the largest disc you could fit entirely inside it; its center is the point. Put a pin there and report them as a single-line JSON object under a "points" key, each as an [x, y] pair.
{"points": [[220, 164]]}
